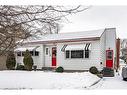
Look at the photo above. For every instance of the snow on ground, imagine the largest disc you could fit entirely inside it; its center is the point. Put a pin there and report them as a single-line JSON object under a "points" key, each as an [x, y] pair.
{"points": [[45, 80], [112, 82], [52, 80]]}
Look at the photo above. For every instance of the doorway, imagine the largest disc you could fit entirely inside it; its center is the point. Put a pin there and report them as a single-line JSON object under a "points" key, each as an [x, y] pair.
{"points": [[54, 52], [109, 58]]}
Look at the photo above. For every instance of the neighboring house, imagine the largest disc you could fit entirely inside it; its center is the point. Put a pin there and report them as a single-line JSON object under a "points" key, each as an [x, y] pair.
{"points": [[73, 51], [124, 49]]}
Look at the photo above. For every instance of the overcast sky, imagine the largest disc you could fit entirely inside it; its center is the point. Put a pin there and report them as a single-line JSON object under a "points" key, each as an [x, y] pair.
{"points": [[99, 17]]}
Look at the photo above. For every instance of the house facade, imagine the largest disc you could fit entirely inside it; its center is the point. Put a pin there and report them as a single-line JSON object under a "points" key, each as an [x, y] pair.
{"points": [[123, 52], [72, 51]]}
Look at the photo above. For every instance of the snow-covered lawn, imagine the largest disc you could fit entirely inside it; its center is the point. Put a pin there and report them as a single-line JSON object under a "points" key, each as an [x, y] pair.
{"points": [[46, 80], [112, 82], [52, 80]]}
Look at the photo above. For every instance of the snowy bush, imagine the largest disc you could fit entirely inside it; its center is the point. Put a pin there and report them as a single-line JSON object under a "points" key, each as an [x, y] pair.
{"points": [[60, 69], [28, 61], [93, 70], [10, 62]]}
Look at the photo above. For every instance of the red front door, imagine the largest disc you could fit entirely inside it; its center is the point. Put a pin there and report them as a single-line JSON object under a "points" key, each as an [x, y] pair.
{"points": [[54, 56], [109, 58]]}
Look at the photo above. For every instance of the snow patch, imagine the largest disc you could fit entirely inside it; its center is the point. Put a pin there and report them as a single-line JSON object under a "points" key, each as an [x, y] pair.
{"points": [[46, 80]]}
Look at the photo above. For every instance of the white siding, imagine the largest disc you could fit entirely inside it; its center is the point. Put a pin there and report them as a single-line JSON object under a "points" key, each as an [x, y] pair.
{"points": [[80, 64], [103, 48], [97, 53], [108, 40], [48, 58], [111, 41], [38, 60]]}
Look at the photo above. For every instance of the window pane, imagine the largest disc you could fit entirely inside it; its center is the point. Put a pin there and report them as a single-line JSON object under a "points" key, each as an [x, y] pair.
{"points": [[54, 51], [67, 54], [46, 51], [36, 53], [86, 53], [23, 53], [31, 52], [18, 53], [109, 56], [77, 54]]}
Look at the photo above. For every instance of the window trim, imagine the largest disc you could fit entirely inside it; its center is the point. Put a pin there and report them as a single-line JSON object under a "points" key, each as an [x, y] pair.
{"points": [[77, 58]]}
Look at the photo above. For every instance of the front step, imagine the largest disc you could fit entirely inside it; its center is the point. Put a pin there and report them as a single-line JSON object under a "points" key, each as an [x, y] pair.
{"points": [[108, 72]]}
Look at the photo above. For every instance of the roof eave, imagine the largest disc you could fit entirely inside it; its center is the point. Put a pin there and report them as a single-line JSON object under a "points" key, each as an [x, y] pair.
{"points": [[65, 40]]}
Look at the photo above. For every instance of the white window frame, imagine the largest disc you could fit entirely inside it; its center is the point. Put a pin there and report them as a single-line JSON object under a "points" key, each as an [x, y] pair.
{"points": [[77, 58], [70, 54]]}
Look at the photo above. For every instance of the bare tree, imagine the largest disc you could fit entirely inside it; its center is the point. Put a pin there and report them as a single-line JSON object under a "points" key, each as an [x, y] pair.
{"points": [[22, 22]]}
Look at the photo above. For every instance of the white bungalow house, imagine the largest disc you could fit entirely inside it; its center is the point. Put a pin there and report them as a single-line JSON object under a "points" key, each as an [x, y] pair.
{"points": [[73, 51]]}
